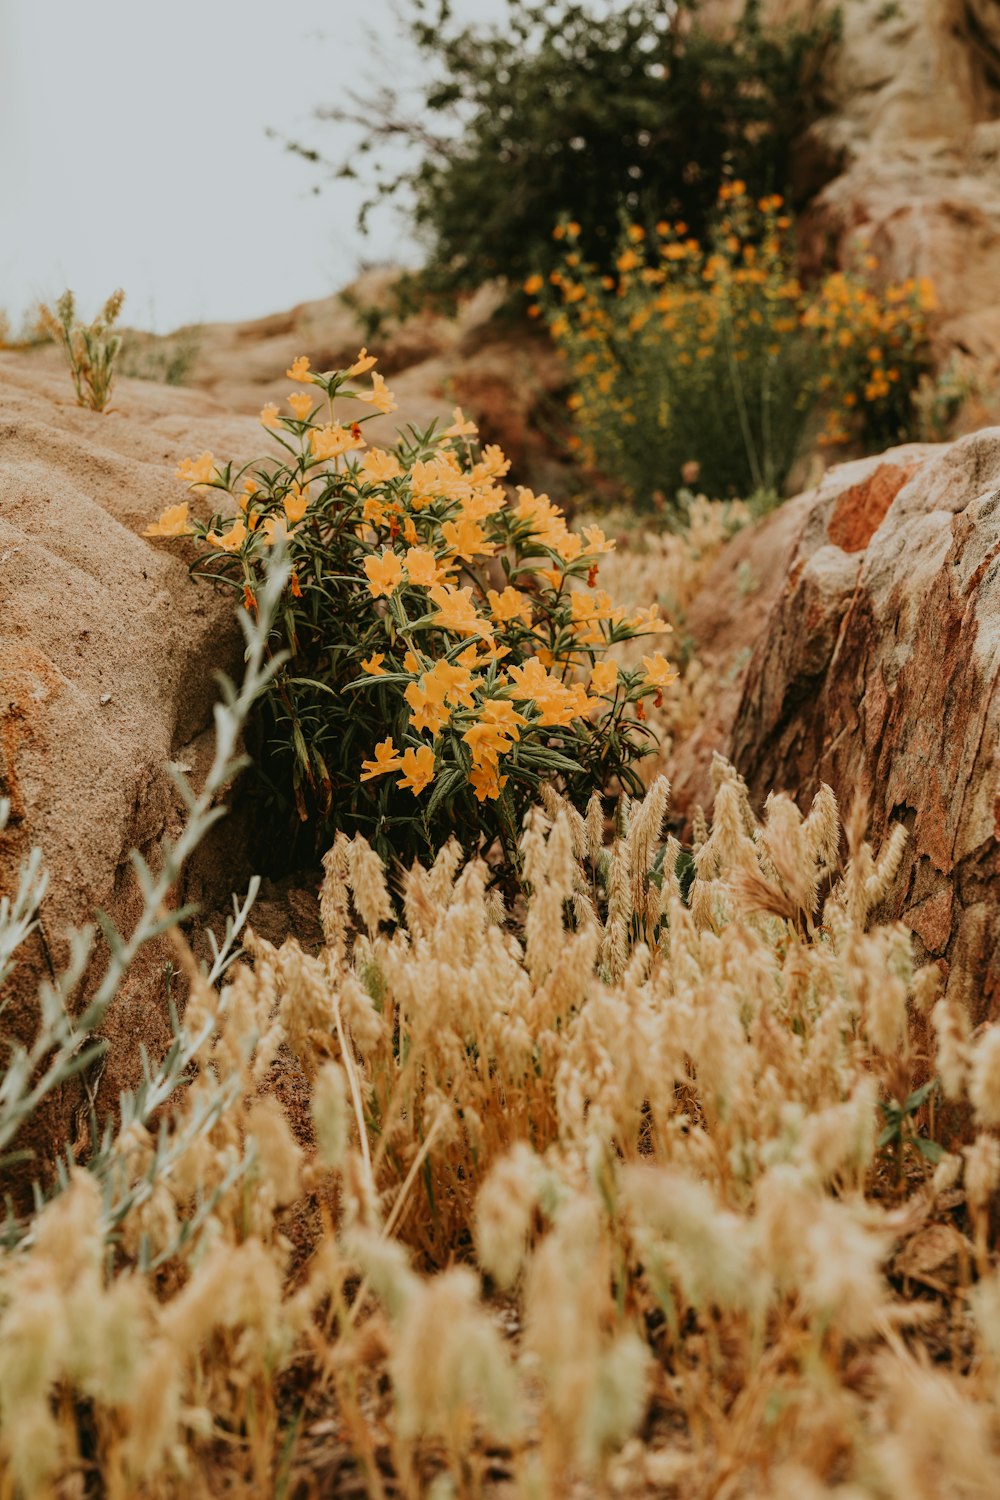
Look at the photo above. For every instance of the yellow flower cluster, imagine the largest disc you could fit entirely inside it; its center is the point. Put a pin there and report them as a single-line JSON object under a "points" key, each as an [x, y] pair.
{"points": [[873, 346], [652, 347], [466, 620]]}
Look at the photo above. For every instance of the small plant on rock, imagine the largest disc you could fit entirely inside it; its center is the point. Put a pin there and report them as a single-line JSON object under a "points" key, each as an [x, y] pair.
{"points": [[90, 348]]}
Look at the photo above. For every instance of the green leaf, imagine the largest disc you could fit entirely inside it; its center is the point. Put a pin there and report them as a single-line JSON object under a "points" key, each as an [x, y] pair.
{"points": [[918, 1096]]}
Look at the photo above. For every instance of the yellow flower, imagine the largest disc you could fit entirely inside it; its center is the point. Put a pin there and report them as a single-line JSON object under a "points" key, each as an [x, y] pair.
{"points": [[299, 369], [510, 605], [373, 665], [423, 568], [418, 769], [362, 364], [604, 677], [659, 672], [456, 611], [269, 415], [534, 285], [466, 539], [295, 503], [460, 427], [486, 742], [429, 711], [627, 261], [384, 574], [378, 466], [173, 522], [331, 442], [486, 782], [301, 404], [379, 396], [648, 622], [450, 683], [230, 541], [197, 471], [250, 488], [596, 540], [274, 530], [385, 760]]}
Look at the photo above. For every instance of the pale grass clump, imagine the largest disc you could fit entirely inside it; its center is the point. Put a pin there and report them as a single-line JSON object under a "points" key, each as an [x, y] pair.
{"points": [[671, 567], [91, 349], [582, 1197]]}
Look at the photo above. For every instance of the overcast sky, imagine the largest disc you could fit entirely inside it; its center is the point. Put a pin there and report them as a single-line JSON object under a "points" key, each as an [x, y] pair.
{"points": [[133, 152]]}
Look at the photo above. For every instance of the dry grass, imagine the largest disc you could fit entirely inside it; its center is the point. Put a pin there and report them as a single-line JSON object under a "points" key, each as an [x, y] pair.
{"points": [[589, 1202]]}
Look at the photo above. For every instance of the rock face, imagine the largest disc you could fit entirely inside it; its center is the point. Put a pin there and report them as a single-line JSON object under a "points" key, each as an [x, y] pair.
{"points": [[106, 656], [906, 163], [502, 374], [868, 656]]}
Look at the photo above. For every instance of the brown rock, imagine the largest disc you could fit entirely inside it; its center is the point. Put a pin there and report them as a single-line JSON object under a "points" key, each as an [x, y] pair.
{"points": [[877, 671], [106, 669]]}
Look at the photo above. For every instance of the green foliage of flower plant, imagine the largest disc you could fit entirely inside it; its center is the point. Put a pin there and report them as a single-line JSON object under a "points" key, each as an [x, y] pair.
{"points": [[582, 109], [91, 349], [448, 643], [717, 357]]}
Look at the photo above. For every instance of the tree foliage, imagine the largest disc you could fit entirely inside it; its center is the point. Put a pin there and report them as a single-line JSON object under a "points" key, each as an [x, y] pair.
{"points": [[641, 111]]}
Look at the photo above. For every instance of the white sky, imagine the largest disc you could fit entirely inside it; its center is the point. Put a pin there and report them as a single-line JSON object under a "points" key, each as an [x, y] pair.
{"points": [[133, 152]]}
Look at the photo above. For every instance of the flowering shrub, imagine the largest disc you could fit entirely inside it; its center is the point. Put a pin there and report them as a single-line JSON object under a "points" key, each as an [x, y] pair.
{"points": [[717, 356], [448, 648], [873, 347]]}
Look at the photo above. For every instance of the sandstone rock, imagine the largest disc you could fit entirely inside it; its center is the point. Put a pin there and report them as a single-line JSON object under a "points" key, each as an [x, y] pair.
{"points": [[502, 374], [871, 660], [106, 657]]}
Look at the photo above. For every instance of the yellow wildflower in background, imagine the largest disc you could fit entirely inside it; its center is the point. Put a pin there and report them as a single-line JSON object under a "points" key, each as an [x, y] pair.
{"points": [[659, 672], [299, 369], [604, 677], [461, 426], [385, 760], [295, 503], [510, 605]]}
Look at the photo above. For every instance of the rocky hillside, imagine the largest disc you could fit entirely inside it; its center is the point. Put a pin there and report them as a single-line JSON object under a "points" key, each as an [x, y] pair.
{"points": [[853, 637], [906, 163]]}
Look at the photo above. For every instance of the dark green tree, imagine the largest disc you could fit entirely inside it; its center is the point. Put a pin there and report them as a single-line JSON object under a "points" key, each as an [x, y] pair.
{"points": [[561, 110]]}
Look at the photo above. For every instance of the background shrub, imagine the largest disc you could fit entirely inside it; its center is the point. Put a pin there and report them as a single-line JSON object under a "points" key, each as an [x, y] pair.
{"points": [[552, 112], [714, 362]]}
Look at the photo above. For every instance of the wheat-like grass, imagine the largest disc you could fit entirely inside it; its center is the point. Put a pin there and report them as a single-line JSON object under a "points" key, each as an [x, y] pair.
{"points": [[604, 1168]]}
